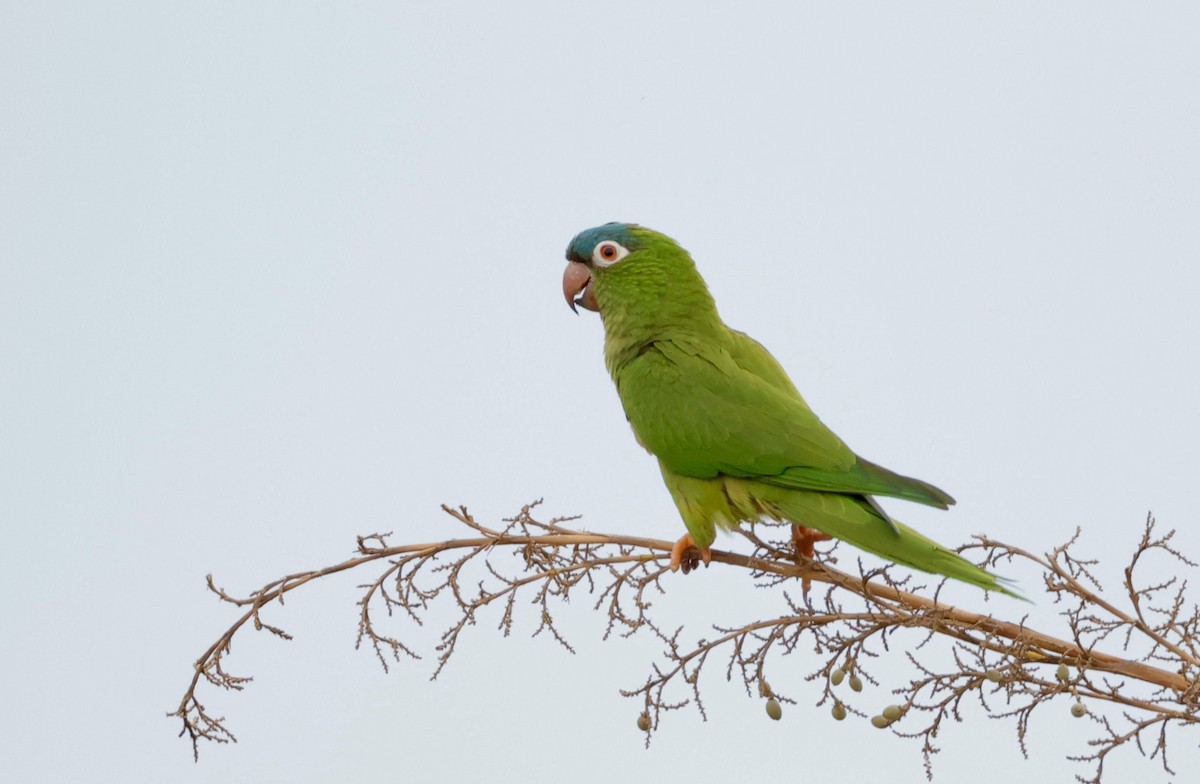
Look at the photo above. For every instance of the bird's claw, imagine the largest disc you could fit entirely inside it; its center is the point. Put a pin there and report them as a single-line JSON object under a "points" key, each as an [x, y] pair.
{"points": [[804, 539], [688, 556]]}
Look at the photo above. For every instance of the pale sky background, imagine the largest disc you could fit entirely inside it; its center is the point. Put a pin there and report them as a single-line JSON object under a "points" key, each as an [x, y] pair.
{"points": [[277, 274]]}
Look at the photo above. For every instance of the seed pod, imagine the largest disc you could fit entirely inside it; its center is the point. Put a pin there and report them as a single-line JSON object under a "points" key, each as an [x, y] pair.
{"points": [[995, 676], [644, 722], [880, 721], [892, 712], [839, 711], [774, 710], [837, 676], [1078, 710], [1063, 674], [855, 683]]}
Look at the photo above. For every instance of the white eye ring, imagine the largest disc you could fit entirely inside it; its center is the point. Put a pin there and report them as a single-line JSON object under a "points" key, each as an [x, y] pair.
{"points": [[608, 253]]}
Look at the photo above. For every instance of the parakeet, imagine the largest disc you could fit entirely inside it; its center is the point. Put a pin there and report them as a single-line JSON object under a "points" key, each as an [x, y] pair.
{"points": [[734, 439]]}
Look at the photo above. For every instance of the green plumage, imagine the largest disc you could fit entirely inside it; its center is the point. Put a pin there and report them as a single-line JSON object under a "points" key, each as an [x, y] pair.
{"points": [[734, 438]]}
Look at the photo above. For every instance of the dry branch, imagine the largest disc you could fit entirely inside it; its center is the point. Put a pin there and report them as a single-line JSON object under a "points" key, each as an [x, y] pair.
{"points": [[1009, 668]]}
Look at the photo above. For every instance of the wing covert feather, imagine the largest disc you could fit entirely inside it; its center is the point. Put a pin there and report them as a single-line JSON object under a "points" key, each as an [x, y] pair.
{"points": [[704, 411], [703, 414]]}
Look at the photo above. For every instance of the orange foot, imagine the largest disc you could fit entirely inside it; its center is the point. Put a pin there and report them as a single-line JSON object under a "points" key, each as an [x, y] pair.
{"points": [[685, 553], [803, 539]]}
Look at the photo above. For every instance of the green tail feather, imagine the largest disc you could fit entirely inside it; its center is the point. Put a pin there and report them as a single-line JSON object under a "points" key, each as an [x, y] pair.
{"points": [[852, 520]]}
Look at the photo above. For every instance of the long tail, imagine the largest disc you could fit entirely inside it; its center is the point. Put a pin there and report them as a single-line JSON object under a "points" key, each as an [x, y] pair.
{"points": [[852, 519]]}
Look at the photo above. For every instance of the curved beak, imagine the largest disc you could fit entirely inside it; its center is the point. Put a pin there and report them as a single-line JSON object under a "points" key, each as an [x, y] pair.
{"points": [[577, 286]]}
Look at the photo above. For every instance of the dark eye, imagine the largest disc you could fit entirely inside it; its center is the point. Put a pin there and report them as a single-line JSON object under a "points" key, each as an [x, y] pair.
{"points": [[608, 253]]}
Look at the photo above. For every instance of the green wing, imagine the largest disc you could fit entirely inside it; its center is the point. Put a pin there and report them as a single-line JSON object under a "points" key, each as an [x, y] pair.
{"points": [[707, 409]]}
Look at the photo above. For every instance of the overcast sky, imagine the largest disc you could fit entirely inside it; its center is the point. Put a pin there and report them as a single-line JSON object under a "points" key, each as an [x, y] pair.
{"points": [[273, 275]]}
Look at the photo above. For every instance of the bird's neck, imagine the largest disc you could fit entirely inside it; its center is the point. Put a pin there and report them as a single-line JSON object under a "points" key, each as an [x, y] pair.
{"points": [[661, 307]]}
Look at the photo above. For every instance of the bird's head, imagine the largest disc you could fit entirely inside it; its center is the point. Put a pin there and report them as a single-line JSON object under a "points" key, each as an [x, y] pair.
{"points": [[591, 254], [631, 268]]}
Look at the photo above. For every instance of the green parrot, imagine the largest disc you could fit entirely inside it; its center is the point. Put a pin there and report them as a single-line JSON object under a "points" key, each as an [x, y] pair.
{"points": [[734, 439]]}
